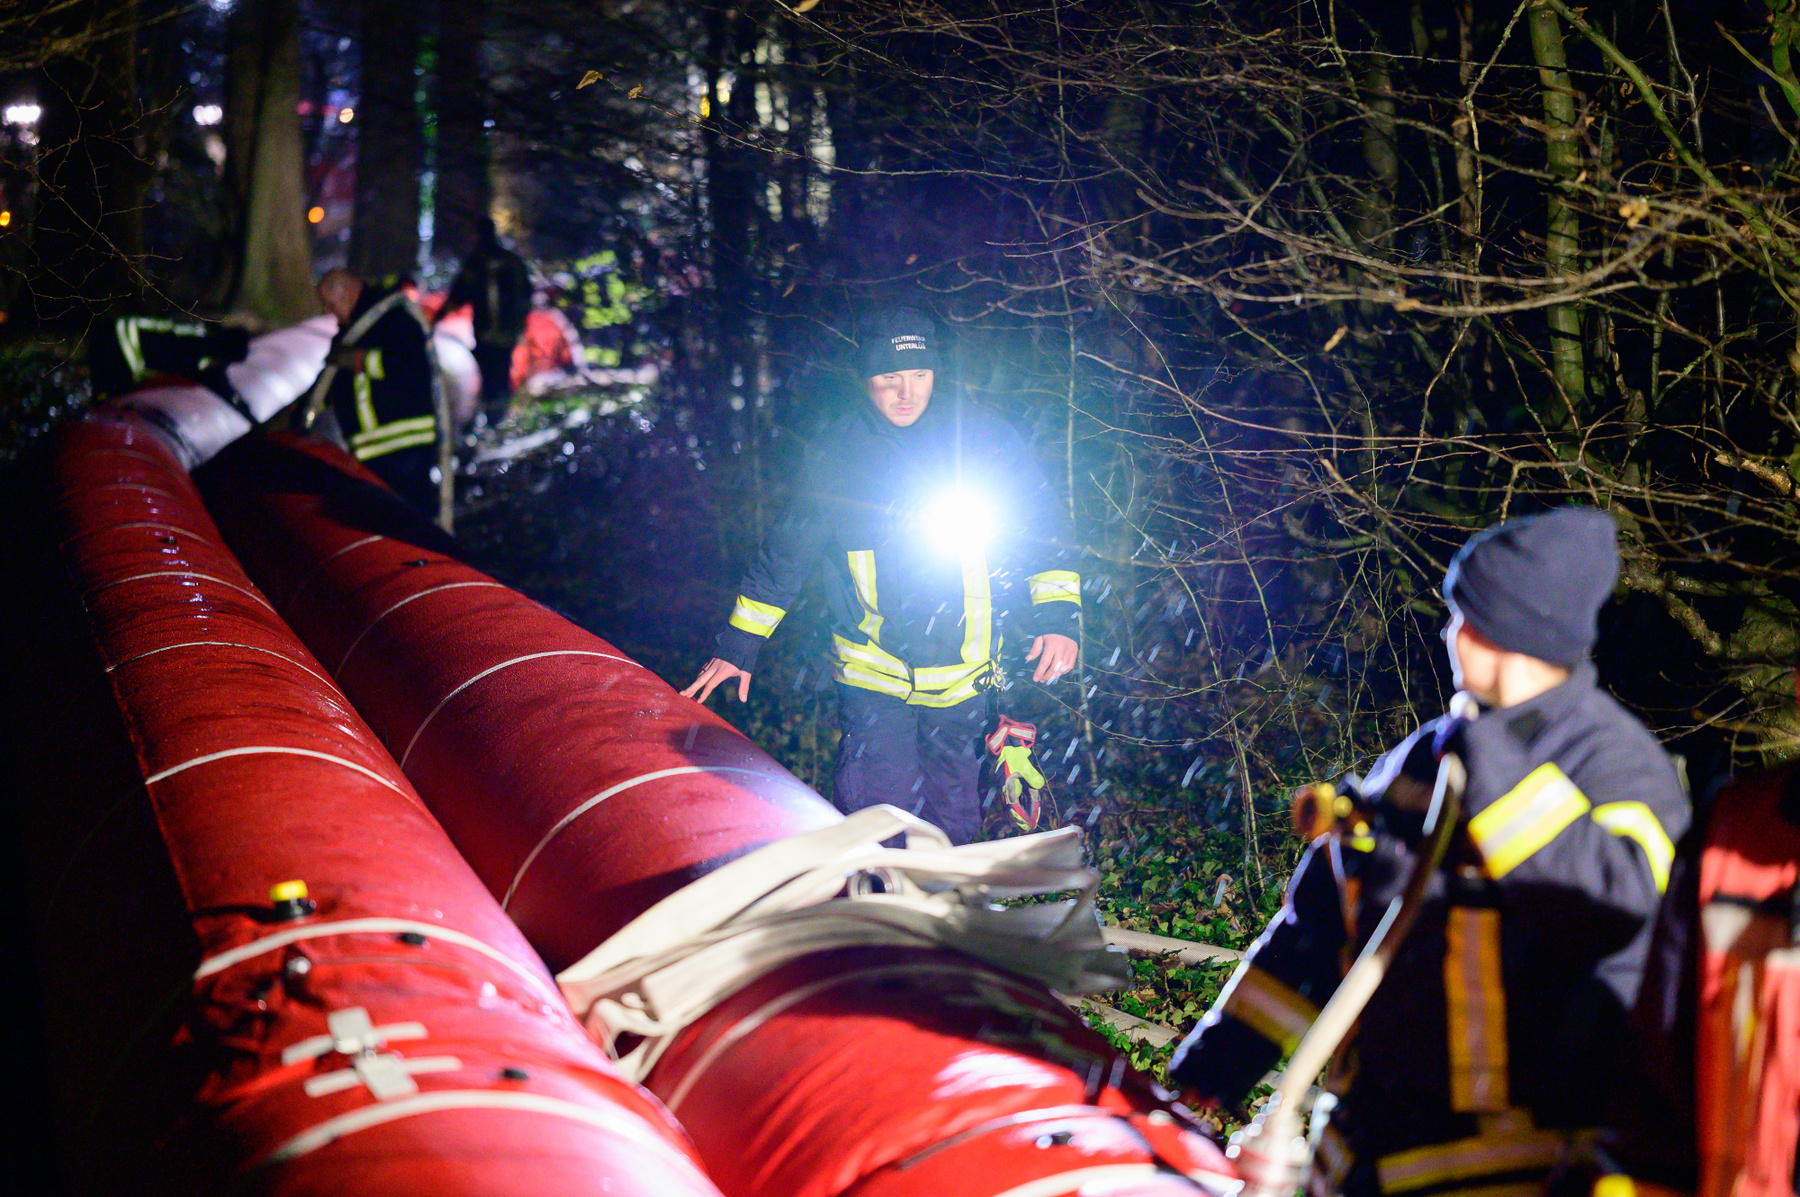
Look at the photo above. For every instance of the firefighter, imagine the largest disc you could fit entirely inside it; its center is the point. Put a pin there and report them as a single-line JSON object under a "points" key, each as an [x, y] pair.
{"points": [[126, 351], [1487, 1050], [379, 385], [925, 511], [495, 285]]}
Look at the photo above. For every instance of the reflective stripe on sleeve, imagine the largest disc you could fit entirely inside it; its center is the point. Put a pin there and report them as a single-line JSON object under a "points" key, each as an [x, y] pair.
{"points": [[759, 619], [1476, 1011], [390, 438], [365, 405], [1471, 1160], [1635, 821], [1268, 1007], [1055, 586], [1527, 817], [371, 364]]}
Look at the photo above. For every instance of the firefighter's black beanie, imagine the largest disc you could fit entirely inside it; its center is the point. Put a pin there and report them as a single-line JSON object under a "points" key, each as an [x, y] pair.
{"points": [[1536, 585], [898, 339]]}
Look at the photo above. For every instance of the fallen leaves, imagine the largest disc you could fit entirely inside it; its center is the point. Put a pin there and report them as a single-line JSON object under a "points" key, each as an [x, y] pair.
{"points": [[589, 79], [1336, 338], [1634, 212]]}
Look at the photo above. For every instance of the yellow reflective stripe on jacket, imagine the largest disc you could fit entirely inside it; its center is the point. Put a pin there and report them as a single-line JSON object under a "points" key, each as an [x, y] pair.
{"points": [[960, 692], [394, 436], [872, 657], [1055, 586], [1268, 1007], [862, 576], [1635, 821], [371, 364], [1476, 1006], [978, 607], [129, 344], [759, 619], [852, 673], [1526, 817], [1472, 1159], [365, 404]]}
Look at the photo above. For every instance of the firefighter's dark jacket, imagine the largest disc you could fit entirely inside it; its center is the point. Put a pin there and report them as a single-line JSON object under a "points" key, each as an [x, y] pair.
{"points": [[496, 285], [1492, 1038], [379, 380], [911, 617]]}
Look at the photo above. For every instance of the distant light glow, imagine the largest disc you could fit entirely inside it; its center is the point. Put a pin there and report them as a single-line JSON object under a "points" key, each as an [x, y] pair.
{"points": [[23, 114], [346, 115], [959, 521], [5, 219], [208, 114], [315, 214]]}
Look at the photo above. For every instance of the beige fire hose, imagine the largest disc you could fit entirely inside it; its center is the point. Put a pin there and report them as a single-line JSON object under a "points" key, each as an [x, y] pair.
{"points": [[1272, 1153]]}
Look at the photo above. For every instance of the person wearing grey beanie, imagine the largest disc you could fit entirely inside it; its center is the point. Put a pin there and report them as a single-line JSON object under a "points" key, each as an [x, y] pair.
{"points": [[1483, 1057]]}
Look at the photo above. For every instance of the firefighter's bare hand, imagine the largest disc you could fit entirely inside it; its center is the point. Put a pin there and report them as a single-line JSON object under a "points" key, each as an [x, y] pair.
{"points": [[716, 673], [1055, 656]]}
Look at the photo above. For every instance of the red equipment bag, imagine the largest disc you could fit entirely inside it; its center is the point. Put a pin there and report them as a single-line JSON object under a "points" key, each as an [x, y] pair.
{"points": [[1748, 1026]]}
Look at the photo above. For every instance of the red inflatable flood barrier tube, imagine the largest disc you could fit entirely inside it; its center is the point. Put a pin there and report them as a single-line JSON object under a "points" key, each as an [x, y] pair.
{"points": [[583, 789], [400, 1036]]}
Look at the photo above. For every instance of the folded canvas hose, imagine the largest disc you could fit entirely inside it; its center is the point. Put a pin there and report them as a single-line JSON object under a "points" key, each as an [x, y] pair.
{"points": [[680, 958]]}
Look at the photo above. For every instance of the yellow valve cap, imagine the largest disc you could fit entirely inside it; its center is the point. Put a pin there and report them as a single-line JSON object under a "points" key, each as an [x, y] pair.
{"points": [[287, 891]]}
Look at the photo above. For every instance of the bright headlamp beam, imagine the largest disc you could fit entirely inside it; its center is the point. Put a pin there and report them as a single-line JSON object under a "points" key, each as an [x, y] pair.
{"points": [[959, 521]]}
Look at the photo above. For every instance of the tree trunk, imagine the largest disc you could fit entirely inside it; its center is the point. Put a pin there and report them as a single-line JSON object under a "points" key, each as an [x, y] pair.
{"points": [[88, 239], [265, 171], [463, 190], [390, 143], [1562, 239]]}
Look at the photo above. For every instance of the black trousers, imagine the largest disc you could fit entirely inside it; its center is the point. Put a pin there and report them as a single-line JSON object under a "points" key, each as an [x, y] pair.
{"points": [[496, 379], [925, 760]]}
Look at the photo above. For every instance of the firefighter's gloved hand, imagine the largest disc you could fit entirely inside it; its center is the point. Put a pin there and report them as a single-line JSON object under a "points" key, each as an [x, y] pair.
{"points": [[1022, 784], [1019, 770]]}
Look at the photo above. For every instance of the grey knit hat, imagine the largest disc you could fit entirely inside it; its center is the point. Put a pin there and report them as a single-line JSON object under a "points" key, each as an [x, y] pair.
{"points": [[1536, 585]]}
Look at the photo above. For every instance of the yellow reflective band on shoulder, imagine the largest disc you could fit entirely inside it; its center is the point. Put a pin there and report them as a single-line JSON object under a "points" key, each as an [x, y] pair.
{"points": [[862, 576], [1268, 1007], [1526, 817], [978, 608], [1473, 1159], [1636, 821], [372, 364], [1476, 1009], [1055, 586], [391, 438], [759, 619]]}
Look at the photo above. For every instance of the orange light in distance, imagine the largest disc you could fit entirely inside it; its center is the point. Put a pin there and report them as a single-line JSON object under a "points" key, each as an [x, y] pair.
{"points": [[346, 115], [315, 214], [5, 219]]}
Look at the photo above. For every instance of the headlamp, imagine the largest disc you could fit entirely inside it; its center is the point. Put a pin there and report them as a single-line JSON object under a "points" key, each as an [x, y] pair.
{"points": [[959, 520]]}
